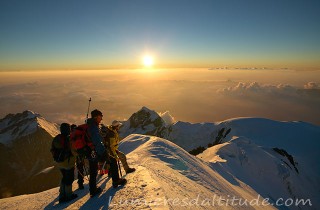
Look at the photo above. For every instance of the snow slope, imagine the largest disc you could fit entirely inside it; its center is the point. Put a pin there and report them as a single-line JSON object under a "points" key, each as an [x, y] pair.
{"points": [[277, 159], [167, 177], [298, 139], [192, 135]]}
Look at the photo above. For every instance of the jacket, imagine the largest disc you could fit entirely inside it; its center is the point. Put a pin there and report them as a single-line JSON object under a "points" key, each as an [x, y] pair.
{"points": [[113, 142], [96, 138]]}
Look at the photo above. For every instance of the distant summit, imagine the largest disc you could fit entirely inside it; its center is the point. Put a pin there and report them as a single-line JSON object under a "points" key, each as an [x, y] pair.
{"points": [[144, 121], [149, 122], [25, 142], [15, 126]]}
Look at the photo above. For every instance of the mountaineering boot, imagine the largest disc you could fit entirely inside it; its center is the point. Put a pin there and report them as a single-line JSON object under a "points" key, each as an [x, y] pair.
{"points": [[62, 193], [96, 191], [69, 195], [66, 199], [130, 170], [119, 182]]}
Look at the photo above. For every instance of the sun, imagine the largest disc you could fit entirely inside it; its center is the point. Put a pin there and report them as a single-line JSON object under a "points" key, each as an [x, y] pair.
{"points": [[148, 61]]}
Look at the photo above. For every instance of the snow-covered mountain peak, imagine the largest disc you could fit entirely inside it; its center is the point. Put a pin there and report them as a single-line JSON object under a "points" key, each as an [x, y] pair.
{"points": [[18, 125], [144, 108], [151, 113], [31, 114], [17, 118], [144, 121]]}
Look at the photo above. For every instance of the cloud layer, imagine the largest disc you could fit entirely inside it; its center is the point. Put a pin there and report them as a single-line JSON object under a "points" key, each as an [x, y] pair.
{"points": [[247, 89], [190, 95]]}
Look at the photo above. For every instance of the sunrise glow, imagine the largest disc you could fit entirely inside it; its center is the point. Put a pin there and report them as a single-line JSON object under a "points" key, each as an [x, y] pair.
{"points": [[147, 61]]}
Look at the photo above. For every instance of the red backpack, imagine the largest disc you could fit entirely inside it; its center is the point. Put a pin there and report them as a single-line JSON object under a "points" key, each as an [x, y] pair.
{"points": [[80, 138]]}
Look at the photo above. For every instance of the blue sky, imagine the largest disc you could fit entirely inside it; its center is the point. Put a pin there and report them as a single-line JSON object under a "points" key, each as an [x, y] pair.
{"points": [[178, 33]]}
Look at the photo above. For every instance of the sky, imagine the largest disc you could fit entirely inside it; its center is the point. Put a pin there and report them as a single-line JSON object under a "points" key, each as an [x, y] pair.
{"points": [[103, 34]]}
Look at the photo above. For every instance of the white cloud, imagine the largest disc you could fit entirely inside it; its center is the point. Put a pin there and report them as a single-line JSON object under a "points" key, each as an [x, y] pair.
{"points": [[311, 85], [247, 89], [168, 119]]}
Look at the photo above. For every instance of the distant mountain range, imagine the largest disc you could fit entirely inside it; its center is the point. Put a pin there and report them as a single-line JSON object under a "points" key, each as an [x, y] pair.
{"points": [[275, 159]]}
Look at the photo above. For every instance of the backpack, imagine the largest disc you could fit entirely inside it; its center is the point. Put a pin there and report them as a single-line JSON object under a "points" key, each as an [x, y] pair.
{"points": [[80, 140], [60, 148]]}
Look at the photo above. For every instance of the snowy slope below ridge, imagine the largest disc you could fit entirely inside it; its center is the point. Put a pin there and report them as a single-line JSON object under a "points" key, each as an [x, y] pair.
{"points": [[167, 177], [264, 169], [298, 137], [15, 126], [192, 135], [265, 132]]}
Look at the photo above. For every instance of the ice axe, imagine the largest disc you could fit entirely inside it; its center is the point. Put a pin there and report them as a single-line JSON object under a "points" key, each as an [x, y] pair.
{"points": [[88, 109]]}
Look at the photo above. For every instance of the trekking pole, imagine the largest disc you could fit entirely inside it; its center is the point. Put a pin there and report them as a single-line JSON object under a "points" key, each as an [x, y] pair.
{"points": [[88, 109], [119, 167], [104, 164]]}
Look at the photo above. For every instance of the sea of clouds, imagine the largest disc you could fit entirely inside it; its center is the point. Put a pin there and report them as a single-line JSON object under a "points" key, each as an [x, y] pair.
{"points": [[192, 95]]}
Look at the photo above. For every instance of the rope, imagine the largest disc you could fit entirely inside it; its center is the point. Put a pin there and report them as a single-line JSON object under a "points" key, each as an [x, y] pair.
{"points": [[85, 169]]}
